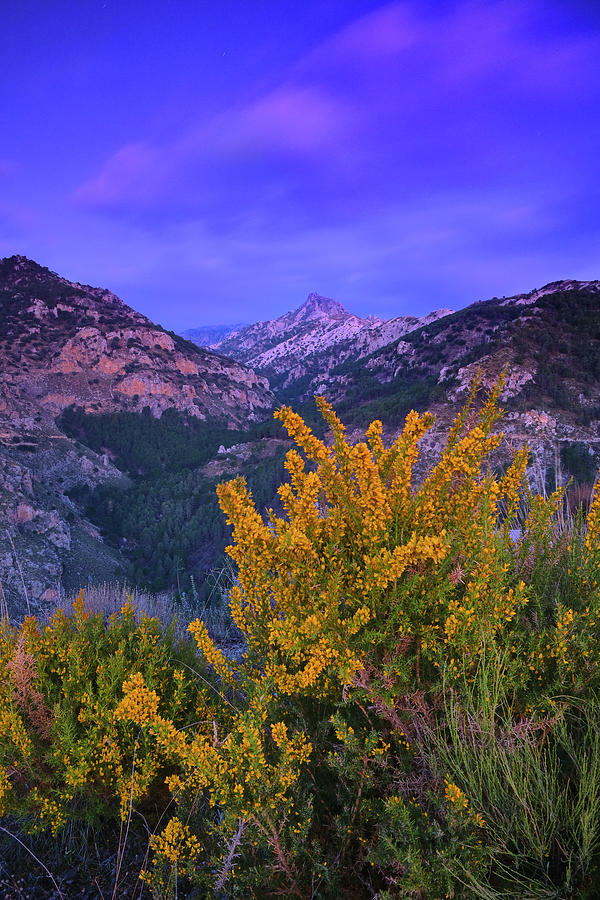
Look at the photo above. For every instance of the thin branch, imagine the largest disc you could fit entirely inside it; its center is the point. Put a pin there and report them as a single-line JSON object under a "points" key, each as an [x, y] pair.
{"points": [[123, 844], [231, 854], [218, 693], [9, 536], [45, 868]]}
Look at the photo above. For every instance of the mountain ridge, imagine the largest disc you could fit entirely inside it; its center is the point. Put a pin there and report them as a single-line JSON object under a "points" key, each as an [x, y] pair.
{"points": [[317, 335], [65, 344], [546, 341], [84, 345]]}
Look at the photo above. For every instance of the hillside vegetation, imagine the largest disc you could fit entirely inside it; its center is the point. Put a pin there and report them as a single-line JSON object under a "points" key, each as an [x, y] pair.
{"points": [[168, 524], [551, 337], [64, 344], [417, 713], [123, 485]]}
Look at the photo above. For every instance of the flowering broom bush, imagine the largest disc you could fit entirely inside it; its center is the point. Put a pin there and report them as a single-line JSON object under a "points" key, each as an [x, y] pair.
{"points": [[65, 755], [416, 714]]}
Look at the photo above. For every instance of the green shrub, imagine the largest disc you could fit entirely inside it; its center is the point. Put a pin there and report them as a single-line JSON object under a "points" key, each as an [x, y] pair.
{"points": [[416, 713]]}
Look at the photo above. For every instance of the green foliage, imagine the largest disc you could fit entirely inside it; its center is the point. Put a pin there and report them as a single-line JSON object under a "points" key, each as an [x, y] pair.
{"points": [[392, 401], [416, 714], [143, 445], [563, 341], [61, 685], [168, 524], [560, 344], [536, 782], [577, 460]]}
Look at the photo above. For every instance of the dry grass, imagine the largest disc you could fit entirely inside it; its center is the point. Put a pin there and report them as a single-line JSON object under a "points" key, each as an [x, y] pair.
{"points": [[109, 597]]}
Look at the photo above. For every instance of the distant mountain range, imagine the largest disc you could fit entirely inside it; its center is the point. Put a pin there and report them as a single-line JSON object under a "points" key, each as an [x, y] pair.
{"points": [[66, 345], [312, 340], [548, 340], [210, 335]]}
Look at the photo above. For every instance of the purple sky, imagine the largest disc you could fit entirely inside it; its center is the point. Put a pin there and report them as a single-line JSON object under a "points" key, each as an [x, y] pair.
{"points": [[215, 161]]}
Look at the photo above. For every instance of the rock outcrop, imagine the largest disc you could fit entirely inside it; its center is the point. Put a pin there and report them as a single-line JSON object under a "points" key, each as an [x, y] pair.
{"points": [[546, 342], [305, 344], [46, 544], [64, 344]]}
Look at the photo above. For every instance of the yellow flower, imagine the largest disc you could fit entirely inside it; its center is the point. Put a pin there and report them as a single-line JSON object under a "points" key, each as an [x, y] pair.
{"points": [[176, 843]]}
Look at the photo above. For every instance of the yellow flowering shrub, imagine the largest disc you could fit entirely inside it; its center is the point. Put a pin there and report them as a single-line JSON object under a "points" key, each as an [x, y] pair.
{"points": [[363, 562], [399, 633], [63, 749]]}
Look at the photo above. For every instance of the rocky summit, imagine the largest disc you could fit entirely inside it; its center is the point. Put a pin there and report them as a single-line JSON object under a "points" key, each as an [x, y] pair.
{"points": [[305, 344], [64, 344], [546, 342]]}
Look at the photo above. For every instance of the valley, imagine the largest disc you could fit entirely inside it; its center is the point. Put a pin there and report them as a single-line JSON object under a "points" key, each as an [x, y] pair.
{"points": [[114, 432]]}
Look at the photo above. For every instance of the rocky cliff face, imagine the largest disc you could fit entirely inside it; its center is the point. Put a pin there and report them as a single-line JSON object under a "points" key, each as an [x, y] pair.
{"points": [[305, 344], [61, 344], [46, 544]]}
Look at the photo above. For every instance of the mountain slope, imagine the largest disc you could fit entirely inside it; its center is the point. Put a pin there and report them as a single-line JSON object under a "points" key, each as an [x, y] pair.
{"points": [[63, 343], [548, 339], [546, 342], [305, 343]]}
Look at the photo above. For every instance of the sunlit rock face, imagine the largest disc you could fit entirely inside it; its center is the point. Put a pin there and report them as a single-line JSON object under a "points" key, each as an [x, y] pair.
{"points": [[64, 343]]}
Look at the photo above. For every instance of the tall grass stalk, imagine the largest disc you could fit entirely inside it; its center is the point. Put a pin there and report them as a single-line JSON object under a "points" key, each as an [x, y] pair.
{"points": [[535, 783]]}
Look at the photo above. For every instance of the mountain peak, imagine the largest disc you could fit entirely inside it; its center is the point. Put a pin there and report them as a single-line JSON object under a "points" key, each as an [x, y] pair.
{"points": [[318, 307], [19, 266]]}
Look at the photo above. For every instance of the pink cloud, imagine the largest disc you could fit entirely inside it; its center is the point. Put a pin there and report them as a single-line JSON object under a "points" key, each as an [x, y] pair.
{"points": [[384, 72], [293, 117], [386, 31], [469, 40], [135, 171], [477, 40]]}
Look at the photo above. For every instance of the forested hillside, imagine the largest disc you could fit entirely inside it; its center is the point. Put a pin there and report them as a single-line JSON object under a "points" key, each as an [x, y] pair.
{"points": [[66, 344], [168, 524], [549, 340]]}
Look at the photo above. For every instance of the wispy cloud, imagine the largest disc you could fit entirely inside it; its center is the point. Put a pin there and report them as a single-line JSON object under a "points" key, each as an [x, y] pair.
{"points": [[134, 172], [296, 118], [388, 87], [413, 146]]}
